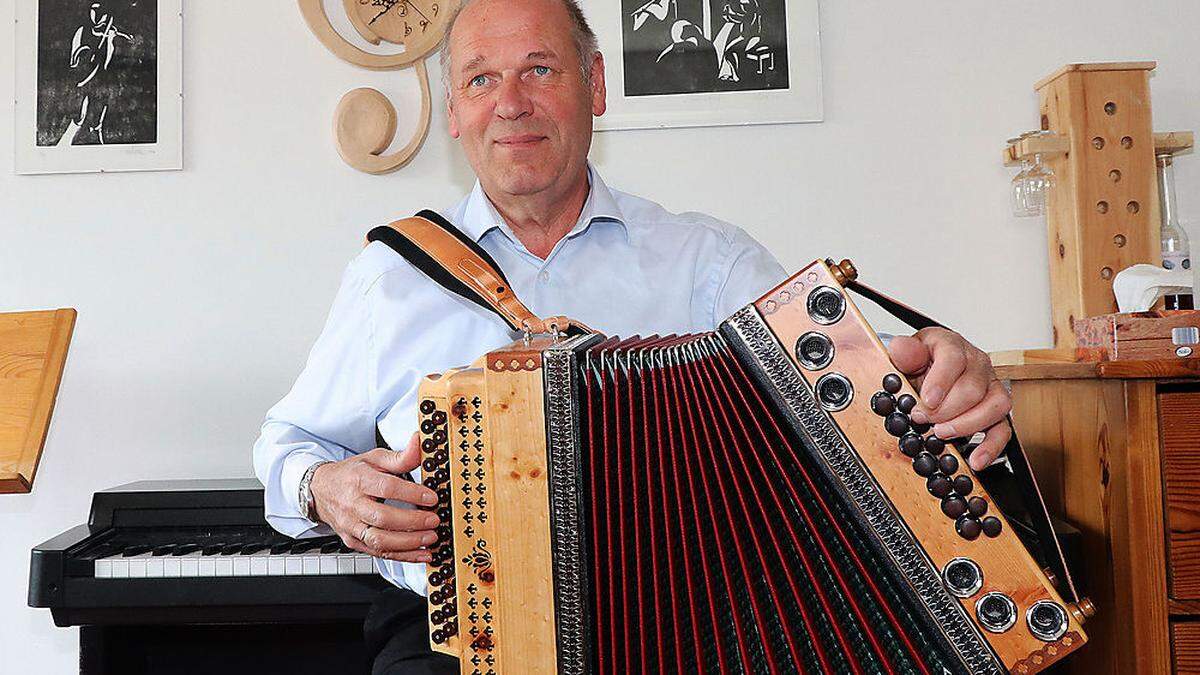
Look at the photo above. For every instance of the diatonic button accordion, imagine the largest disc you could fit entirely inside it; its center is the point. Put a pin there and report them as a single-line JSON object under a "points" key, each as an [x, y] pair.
{"points": [[750, 500]]}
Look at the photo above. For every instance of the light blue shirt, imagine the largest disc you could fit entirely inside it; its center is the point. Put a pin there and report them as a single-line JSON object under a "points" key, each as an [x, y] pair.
{"points": [[628, 267]]}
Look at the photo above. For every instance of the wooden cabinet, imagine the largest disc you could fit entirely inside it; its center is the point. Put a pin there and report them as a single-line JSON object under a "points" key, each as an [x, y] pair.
{"points": [[1116, 447]]}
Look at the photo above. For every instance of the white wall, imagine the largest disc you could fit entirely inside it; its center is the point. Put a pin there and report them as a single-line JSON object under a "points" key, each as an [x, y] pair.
{"points": [[199, 292]]}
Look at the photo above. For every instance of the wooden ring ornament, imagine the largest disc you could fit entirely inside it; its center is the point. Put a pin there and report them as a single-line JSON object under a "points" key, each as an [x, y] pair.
{"points": [[415, 47], [364, 125]]}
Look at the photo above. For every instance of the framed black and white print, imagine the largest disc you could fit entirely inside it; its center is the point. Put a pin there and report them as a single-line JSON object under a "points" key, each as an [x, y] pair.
{"points": [[687, 63], [98, 86]]}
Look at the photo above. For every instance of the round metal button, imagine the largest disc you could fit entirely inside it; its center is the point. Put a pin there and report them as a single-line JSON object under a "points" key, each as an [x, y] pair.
{"points": [[834, 391], [962, 577], [1047, 620], [826, 305], [996, 612], [814, 350]]}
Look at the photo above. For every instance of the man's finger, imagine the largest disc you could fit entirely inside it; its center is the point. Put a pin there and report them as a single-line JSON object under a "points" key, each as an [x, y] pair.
{"points": [[389, 517], [994, 406], [948, 361], [965, 393], [909, 355], [383, 542], [386, 486], [994, 440], [394, 462]]}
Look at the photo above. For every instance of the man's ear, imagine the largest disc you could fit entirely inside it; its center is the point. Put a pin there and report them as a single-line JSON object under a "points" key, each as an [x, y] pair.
{"points": [[451, 117], [599, 93]]}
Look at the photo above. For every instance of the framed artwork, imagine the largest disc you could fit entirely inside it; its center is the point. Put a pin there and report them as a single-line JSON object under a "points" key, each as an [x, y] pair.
{"points": [[98, 86], [690, 63]]}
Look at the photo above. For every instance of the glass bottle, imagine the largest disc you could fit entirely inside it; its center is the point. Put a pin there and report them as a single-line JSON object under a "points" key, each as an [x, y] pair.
{"points": [[1175, 253]]}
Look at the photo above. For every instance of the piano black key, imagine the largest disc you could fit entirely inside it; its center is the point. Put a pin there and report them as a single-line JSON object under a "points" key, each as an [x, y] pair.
{"points": [[184, 549], [162, 550], [211, 549], [134, 549], [332, 546], [232, 549], [281, 547], [254, 547], [305, 545]]}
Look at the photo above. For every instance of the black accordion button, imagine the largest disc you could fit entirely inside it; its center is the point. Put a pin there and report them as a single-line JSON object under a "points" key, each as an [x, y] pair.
{"points": [[883, 403], [896, 424], [427, 427], [939, 486], [891, 383], [430, 465], [922, 428], [427, 407], [968, 528], [924, 464], [906, 403], [977, 506], [439, 417], [954, 507], [911, 444], [948, 464], [963, 485], [992, 526], [935, 445]]}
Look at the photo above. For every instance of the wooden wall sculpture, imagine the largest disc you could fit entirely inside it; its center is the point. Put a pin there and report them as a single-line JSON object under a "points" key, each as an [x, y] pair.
{"points": [[365, 120]]}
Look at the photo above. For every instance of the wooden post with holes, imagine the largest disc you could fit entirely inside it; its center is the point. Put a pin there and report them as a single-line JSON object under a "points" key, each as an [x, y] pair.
{"points": [[1103, 213]]}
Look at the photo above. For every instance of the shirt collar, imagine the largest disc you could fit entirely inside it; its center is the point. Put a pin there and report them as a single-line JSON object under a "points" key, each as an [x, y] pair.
{"points": [[480, 215]]}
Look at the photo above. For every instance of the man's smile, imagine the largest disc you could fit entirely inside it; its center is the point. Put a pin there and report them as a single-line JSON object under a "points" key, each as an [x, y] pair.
{"points": [[520, 140]]}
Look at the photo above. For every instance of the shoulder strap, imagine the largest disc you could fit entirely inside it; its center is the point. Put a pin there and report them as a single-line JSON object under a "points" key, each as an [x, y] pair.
{"points": [[457, 263]]}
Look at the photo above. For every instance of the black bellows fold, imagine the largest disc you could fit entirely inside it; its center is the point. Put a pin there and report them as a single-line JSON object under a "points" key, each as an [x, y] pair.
{"points": [[714, 544]]}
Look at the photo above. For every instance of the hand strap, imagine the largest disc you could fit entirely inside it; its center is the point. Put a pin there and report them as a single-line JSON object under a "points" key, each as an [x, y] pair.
{"points": [[1031, 496], [458, 264]]}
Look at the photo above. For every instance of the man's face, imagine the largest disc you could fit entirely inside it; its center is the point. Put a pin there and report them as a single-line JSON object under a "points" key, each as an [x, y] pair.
{"points": [[517, 99]]}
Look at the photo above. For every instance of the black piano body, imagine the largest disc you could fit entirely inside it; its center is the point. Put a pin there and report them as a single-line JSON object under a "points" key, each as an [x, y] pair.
{"points": [[186, 576]]}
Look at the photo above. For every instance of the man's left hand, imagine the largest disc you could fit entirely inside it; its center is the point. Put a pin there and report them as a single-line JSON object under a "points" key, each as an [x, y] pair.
{"points": [[960, 394]]}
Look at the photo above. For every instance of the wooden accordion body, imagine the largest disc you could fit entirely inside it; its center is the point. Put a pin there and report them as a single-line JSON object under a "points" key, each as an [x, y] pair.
{"points": [[728, 502]]}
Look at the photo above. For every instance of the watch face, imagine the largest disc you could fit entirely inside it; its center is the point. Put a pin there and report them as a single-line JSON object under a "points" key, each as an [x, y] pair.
{"points": [[416, 24]]}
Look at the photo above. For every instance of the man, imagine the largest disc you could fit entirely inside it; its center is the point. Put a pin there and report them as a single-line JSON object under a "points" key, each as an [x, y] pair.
{"points": [[524, 80]]}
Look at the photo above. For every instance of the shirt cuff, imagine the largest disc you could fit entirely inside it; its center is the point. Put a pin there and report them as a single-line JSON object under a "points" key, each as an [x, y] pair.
{"points": [[294, 467]]}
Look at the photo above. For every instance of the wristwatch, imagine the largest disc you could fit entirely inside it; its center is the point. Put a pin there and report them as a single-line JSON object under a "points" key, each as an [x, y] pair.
{"points": [[308, 506]]}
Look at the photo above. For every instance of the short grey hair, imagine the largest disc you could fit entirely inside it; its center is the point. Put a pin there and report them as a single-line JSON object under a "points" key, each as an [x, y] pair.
{"points": [[581, 34]]}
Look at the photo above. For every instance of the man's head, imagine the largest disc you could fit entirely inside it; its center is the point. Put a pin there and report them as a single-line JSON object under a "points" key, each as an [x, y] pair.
{"points": [[523, 80]]}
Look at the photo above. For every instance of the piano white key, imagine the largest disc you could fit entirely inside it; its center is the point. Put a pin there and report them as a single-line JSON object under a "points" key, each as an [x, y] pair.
{"points": [[364, 564], [189, 565], [120, 568], [241, 566], [311, 564], [104, 567], [224, 566], [155, 568], [329, 564], [275, 565], [208, 566], [293, 565], [137, 566], [345, 562], [258, 565], [172, 567]]}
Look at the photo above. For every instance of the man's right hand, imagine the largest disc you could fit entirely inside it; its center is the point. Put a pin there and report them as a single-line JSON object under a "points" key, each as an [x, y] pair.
{"points": [[348, 497]]}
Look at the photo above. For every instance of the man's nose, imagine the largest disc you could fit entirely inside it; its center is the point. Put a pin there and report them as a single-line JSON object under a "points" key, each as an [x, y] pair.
{"points": [[513, 100]]}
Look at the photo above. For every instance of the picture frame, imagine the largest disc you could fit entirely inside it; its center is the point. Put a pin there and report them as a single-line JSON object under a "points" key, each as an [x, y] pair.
{"points": [[696, 63], [98, 86]]}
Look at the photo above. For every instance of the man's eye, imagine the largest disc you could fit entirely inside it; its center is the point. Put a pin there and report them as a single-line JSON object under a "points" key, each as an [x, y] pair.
{"points": [[541, 71], [478, 81]]}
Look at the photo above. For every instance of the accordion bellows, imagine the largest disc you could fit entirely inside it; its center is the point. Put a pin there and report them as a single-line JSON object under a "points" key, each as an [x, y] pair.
{"points": [[752, 500]]}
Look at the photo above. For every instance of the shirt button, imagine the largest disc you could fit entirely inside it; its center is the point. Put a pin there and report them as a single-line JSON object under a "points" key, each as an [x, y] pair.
{"points": [[544, 277]]}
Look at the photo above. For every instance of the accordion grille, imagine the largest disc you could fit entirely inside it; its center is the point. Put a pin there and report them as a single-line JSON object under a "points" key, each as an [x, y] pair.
{"points": [[714, 543]]}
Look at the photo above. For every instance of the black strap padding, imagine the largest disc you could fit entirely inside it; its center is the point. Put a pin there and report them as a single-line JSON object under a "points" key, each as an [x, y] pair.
{"points": [[1050, 550], [432, 268]]}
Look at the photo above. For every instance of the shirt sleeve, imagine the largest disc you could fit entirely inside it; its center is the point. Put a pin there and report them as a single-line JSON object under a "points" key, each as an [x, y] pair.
{"points": [[327, 415], [750, 272]]}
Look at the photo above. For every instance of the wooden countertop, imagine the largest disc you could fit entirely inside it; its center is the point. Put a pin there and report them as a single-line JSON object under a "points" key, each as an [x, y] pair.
{"points": [[1047, 364]]}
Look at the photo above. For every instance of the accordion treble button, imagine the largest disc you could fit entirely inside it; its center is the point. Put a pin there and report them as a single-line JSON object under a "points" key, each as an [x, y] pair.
{"points": [[896, 424], [911, 444], [963, 485], [883, 403], [924, 464], [906, 403], [954, 507], [935, 445], [968, 528], [977, 506], [992, 526], [948, 464], [891, 383], [939, 486]]}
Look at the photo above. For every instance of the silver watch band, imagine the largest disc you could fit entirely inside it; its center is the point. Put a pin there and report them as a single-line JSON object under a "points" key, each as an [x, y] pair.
{"points": [[308, 506]]}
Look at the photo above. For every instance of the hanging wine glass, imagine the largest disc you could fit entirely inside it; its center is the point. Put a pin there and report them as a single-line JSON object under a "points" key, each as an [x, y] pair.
{"points": [[1020, 197]]}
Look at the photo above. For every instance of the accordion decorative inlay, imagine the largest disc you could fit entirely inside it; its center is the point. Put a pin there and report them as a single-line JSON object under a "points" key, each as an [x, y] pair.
{"points": [[752, 500]]}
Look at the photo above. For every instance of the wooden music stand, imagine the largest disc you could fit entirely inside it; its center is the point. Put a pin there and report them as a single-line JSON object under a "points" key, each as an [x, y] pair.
{"points": [[33, 351]]}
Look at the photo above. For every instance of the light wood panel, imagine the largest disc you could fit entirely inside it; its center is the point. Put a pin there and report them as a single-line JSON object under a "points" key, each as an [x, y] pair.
{"points": [[33, 353]]}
